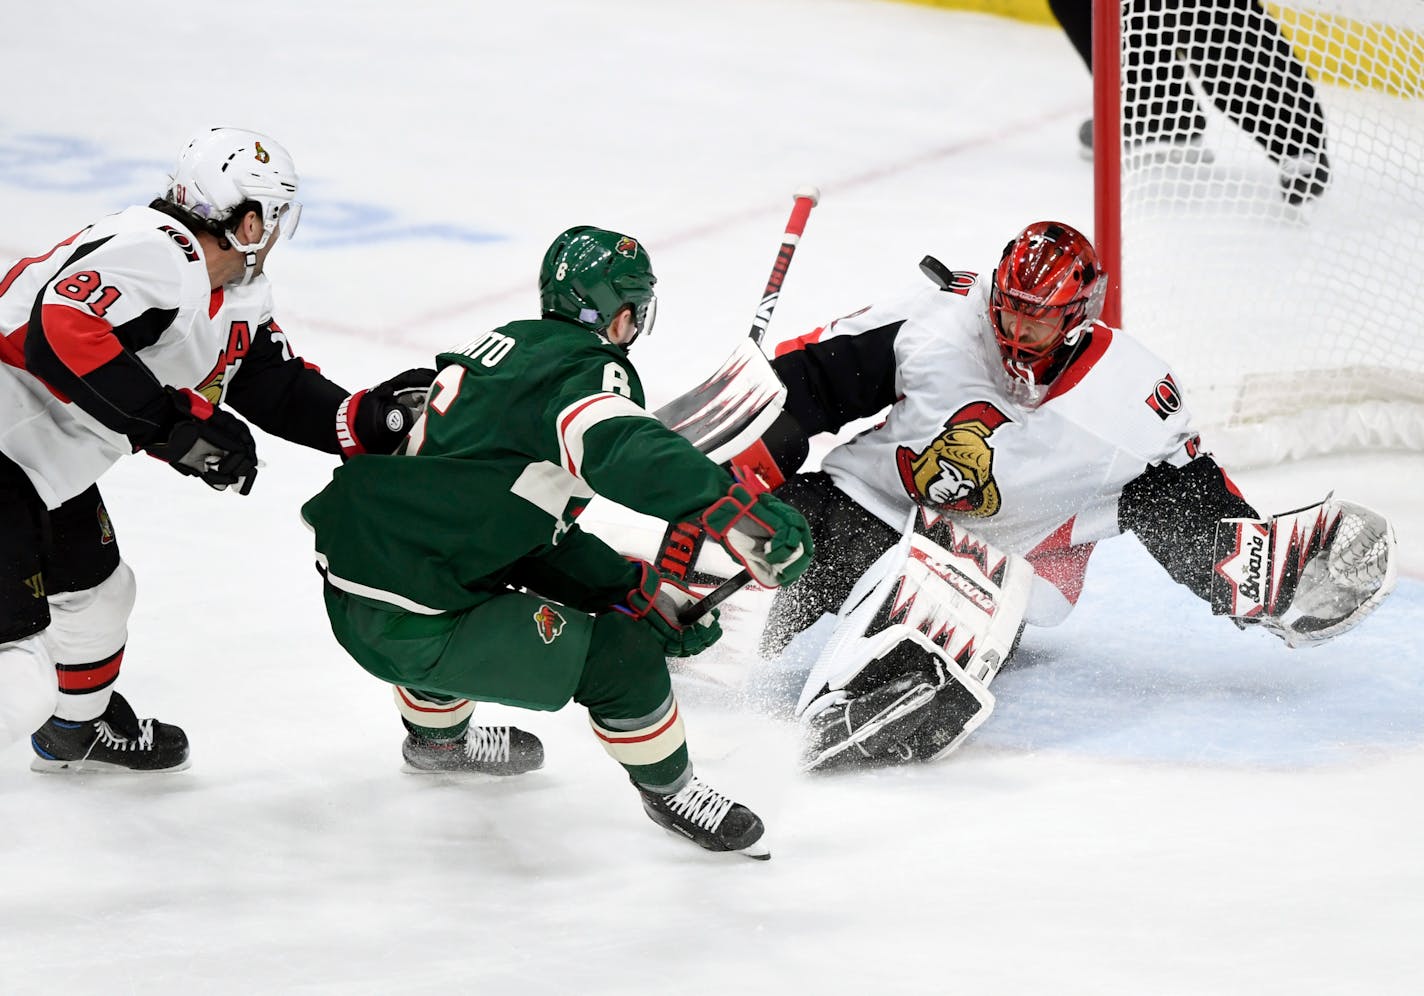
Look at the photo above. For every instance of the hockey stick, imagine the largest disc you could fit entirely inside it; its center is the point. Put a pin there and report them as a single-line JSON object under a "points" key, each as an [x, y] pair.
{"points": [[803, 201]]}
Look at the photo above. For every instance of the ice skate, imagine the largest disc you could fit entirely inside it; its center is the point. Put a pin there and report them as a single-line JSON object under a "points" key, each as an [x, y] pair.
{"points": [[1304, 177], [116, 741], [868, 729], [488, 750], [1185, 148], [708, 818]]}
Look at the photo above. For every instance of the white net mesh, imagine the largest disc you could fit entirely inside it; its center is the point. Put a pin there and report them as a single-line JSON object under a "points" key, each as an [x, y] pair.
{"points": [[1294, 328]]}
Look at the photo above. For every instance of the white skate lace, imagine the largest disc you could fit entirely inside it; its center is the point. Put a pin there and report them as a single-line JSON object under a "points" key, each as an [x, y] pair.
{"points": [[114, 740], [487, 743], [699, 803]]}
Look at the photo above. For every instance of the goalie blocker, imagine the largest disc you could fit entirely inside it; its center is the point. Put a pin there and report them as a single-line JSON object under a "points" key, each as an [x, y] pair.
{"points": [[1306, 576], [906, 673]]}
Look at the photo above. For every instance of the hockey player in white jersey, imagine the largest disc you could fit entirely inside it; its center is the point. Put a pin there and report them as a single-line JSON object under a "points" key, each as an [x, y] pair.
{"points": [[139, 333], [1017, 432]]}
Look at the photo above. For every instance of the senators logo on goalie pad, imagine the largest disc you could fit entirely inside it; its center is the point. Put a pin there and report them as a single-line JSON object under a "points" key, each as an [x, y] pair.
{"points": [[955, 472]]}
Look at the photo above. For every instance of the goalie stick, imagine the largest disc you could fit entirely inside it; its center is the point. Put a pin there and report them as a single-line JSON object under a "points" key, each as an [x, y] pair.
{"points": [[723, 428], [728, 411]]}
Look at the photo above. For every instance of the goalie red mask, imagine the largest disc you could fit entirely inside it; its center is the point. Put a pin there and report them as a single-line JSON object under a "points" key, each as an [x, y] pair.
{"points": [[1047, 287]]}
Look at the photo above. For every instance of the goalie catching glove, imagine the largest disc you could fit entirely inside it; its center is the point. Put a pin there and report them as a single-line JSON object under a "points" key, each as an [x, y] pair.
{"points": [[1307, 576], [764, 534], [657, 600], [202, 440], [377, 419]]}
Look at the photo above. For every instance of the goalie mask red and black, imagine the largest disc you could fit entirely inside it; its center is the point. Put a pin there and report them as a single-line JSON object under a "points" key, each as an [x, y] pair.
{"points": [[1047, 287]]}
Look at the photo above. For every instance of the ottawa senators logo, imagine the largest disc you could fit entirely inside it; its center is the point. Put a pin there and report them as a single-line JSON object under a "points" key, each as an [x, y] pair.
{"points": [[626, 247], [955, 472], [549, 623], [106, 527], [1165, 399]]}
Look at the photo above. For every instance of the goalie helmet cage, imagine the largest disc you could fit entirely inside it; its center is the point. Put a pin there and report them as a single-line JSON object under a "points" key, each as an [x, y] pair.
{"points": [[1295, 329]]}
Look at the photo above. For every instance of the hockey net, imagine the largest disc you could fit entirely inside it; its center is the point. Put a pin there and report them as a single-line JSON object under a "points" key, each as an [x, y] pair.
{"points": [[1294, 328]]}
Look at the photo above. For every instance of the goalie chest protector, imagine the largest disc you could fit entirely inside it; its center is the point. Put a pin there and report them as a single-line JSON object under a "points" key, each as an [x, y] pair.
{"points": [[1024, 478]]}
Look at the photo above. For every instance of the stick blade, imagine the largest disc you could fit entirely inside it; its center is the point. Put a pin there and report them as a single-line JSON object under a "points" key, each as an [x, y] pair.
{"points": [[730, 410]]}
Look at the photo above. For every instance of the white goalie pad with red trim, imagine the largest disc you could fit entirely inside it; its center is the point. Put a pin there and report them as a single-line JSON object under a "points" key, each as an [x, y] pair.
{"points": [[1307, 575], [942, 605]]}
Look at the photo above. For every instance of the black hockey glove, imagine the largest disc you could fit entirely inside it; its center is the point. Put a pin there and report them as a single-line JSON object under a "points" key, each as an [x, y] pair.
{"points": [[376, 420], [205, 441]]}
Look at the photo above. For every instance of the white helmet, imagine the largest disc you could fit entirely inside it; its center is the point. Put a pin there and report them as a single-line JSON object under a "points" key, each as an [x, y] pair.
{"points": [[223, 168]]}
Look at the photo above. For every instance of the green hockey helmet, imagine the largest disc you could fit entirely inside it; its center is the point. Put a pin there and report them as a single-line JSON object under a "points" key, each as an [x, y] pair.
{"points": [[589, 273]]}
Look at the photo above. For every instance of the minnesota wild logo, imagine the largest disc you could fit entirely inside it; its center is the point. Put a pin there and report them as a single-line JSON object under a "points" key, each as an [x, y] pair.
{"points": [[262, 155], [548, 622], [626, 247]]}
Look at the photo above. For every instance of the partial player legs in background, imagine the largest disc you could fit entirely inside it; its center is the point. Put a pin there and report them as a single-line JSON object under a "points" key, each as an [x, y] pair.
{"points": [[440, 737], [631, 707], [1235, 52]]}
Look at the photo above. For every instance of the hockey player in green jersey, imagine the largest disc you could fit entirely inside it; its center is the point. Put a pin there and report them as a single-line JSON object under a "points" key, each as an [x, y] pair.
{"points": [[456, 572]]}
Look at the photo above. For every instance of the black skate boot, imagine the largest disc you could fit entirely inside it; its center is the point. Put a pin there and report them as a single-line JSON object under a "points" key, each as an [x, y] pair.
{"points": [[489, 750], [708, 818], [867, 730], [116, 741], [1304, 177]]}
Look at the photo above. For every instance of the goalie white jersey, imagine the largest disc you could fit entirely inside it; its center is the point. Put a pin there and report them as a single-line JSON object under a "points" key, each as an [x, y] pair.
{"points": [[1043, 481]]}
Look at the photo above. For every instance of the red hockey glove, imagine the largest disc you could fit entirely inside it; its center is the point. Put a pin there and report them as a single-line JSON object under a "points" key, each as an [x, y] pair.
{"points": [[205, 441], [767, 536], [376, 420], [657, 600]]}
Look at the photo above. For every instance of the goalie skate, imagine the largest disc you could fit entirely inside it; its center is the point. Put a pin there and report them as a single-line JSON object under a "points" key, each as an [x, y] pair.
{"points": [[708, 818], [484, 750], [868, 728]]}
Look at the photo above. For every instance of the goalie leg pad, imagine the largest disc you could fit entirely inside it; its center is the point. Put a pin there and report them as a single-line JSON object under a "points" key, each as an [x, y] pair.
{"points": [[919, 639], [960, 707]]}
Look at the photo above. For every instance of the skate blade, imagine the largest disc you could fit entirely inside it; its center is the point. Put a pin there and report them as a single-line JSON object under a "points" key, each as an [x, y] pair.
{"points": [[411, 769], [45, 766], [757, 850]]}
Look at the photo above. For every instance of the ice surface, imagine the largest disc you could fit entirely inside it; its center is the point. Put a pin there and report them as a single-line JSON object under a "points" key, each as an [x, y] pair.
{"points": [[1161, 804]]}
